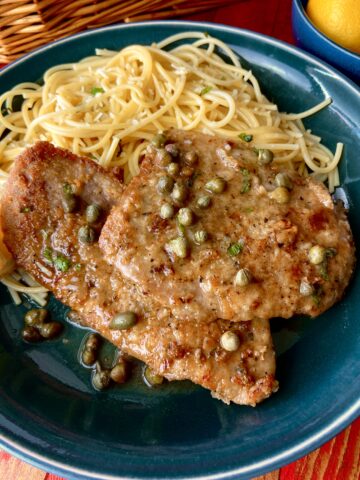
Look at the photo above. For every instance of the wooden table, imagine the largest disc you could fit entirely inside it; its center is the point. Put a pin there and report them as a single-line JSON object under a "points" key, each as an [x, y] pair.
{"points": [[339, 459]]}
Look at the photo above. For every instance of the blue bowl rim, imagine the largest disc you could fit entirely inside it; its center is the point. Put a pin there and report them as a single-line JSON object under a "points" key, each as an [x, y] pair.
{"points": [[286, 456], [342, 50]]}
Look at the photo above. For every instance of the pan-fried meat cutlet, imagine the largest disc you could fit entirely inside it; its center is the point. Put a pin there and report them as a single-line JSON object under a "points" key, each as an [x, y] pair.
{"points": [[44, 184], [212, 231]]}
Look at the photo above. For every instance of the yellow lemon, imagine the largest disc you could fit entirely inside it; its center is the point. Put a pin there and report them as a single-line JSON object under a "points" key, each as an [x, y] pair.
{"points": [[338, 20]]}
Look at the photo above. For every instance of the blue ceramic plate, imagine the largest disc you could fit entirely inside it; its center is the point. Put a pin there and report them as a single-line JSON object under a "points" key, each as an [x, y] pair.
{"points": [[49, 414]]}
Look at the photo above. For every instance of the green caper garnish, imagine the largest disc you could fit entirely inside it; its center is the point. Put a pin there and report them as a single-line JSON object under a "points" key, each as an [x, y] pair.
{"points": [[216, 185], [185, 216], [35, 317], [86, 234], [158, 140], [317, 254], [152, 378], [280, 195], [92, 213], [200, 236], [179, 247], [282, 179], [191, 157], [179, 192], [88, 356], [123, 321], [243, 277], [265, 156], [51, 330], [306, 289], [167, 211], [173, 149], [229, 341], [204, 201], [119, 373], [31, 334], [101, 379], [173, 168], [165, 184], [164, 157], [93, 341], [69, 203]]}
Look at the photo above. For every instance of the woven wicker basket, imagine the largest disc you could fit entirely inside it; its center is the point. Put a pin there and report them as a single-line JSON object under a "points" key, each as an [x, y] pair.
{"points": [[25, 25]]}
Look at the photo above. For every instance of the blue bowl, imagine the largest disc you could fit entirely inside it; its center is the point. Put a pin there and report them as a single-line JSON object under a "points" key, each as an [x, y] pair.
{"points": [[309, 38]]}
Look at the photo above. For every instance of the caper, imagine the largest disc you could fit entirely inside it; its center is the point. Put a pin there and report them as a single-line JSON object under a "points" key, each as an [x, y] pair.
{"points": [[167, 211], [152, 378], [35, 317], [306, 288], [173, 149], [164, 157], [118, 373], [93, 341], [200, 236], [86, 234], [179, 192], [92, 213], [243, 277], [101, 379], [123, 321], [265, 156], [51, 330], [280, 195], [316, 254], [158, 140], [69, 203], [191, 157], [188, 172], [31, 334], [204, 201], [216, 185], [165, 184], [173, 168], [179, 247], [185, 216], [88, 356], [229, 341], [282, 179]]}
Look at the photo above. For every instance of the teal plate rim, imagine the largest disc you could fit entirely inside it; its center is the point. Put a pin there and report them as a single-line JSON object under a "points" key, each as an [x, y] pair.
{"points": [[282, 456]]}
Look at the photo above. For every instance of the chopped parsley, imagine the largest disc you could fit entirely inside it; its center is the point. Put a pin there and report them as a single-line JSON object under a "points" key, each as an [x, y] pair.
{"points": [[245, 137], [246, 183], [245, 188], [68, 189], [96, 90], [323, 267], [316, 296], [181, 229], [77, 267], [323, 270], [206, 90], [59, 261], [235, 249], [48, 253], [25, 210]]}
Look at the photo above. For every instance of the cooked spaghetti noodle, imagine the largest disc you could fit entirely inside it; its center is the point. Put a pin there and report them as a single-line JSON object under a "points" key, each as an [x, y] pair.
{"points": [[109, 106]]}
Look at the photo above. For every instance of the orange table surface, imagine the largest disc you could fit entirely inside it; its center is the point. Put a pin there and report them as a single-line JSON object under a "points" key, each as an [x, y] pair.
{"points": [[338, 459]]}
